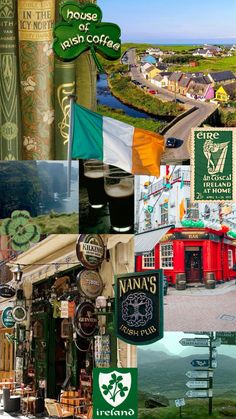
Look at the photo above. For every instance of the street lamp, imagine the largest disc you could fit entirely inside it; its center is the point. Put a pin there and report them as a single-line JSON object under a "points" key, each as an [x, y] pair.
{"points": [[17, 273]]}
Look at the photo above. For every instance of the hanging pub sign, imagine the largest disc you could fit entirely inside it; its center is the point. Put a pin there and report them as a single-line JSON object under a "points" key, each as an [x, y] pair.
{"points": [[19, 314], [7, 291], [82, 29], [90, 250], [89, 283], [7, 319], [212, 162], [139, 307], [85, 320]]}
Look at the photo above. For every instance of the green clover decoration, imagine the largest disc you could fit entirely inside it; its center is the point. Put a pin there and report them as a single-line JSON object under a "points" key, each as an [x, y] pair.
{"points": [[81, 30], [21, 230]]}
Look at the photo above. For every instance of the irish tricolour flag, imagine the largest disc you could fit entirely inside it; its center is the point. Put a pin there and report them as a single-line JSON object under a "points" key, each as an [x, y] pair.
{"points": [[99, 137]]}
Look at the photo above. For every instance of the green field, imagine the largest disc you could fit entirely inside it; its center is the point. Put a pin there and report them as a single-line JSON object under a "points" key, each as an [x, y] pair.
{"points": [[194, 409], [210, 64], [54, 223], [148, 124]]}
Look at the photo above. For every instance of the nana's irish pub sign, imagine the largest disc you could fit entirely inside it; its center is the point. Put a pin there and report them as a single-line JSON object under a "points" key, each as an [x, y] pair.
{"points": [[139, 307], [81, 29]]}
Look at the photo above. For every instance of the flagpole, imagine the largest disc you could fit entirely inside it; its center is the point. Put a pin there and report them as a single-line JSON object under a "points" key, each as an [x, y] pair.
{"points": [[69, 149]]}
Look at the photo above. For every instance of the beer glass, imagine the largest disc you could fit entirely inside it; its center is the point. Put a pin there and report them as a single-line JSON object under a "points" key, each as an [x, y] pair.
{"points": [[94, 175], [119, 187]]}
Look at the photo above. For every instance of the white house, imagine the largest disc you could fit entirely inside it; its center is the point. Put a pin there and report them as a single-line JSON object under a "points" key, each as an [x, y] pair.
{"points": [[166, 201]]}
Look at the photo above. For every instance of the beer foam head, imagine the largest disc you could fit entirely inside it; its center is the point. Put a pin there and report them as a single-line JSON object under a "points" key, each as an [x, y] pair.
{"points": [[120, 190], [94, 174]]}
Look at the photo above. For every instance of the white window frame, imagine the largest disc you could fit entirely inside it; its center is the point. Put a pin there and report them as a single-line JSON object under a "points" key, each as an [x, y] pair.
{"points": [[230, 258], [166, 254], [148, 260]]}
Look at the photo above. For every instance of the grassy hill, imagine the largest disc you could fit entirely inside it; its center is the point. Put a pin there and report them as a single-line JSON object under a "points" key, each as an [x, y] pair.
{"points": [[54, 223], [165, 374], [194, 409]]}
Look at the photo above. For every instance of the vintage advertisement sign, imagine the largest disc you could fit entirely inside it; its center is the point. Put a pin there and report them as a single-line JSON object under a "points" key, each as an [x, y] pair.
{"points": [[90, 250], [7, 318], [82, 29], [85, 320], [89, 283], [139, 307], [212, 162], [115, 392], [7, 291]]}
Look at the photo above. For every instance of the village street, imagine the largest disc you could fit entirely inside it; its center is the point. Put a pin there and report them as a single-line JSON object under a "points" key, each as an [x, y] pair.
{"points": [[182, 129], [201, 309]]}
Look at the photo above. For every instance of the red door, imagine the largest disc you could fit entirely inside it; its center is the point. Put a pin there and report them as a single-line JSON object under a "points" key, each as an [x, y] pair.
{"points": [[193, 265]]}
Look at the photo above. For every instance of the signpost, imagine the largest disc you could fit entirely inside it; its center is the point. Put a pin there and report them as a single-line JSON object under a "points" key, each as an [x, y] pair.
{"points": [[199, 393], [203, 363], [203, 377], [197, 384], [199, 374], [179, 403], [227, 338], [194, 342]]}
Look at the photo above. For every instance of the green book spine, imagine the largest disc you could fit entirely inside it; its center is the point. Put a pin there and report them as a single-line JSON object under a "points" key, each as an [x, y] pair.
{"points": [[10, 138], [35, 23], [64, 86]]}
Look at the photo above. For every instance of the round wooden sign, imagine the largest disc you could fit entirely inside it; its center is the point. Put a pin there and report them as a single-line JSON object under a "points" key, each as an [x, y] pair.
{"points": [[90, 283], [85, 320], [90, 250]]}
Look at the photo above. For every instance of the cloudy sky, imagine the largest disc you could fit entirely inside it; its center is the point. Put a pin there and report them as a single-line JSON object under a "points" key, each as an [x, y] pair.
{"points": [[172, 21]]}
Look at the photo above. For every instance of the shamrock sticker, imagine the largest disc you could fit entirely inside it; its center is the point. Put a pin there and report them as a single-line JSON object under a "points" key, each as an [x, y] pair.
{"points": [[21, 230], [83, 30]]}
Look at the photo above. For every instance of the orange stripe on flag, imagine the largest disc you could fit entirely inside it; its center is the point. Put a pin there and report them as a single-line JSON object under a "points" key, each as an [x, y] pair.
{"points": [[148, 148]]}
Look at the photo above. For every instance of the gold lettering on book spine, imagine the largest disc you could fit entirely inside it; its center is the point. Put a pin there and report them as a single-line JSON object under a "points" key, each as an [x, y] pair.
{"points": [[36, 20], [63, 91]]}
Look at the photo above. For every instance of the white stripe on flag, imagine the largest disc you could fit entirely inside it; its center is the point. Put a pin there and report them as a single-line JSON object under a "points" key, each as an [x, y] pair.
{"points": [[117, 143]]}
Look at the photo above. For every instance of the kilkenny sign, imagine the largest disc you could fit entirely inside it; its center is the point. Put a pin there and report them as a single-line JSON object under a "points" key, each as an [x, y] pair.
{"points": [[115, 392], [212, 164], [82, 29], [90, 250], [139, 307]]}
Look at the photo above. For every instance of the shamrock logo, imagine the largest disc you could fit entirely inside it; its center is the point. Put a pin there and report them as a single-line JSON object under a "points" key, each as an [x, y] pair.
{"points": [[115, 387], [21, 230], [83, 30]]}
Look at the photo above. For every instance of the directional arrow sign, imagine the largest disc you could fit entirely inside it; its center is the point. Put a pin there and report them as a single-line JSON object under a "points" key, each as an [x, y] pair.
{"points": [[194, 341], [199, 374], [203, 363], [198, 384], [199, 393]]}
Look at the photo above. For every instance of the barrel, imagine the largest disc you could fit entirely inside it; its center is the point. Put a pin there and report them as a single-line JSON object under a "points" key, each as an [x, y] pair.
{"points": [[210, 282], [180, 281]]}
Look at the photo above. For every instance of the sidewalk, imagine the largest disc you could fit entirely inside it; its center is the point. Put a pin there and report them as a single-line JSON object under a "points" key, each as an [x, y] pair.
{"points": [[199, 289]]}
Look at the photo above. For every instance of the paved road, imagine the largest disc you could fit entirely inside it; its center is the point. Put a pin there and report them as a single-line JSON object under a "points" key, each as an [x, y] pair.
{"points": [[182, 129], [201, 310]]}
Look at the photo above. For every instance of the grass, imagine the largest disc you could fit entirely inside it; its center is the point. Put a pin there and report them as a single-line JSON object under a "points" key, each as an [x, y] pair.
{"points": [[210, 64], [124, 90], [195, 408], [54, 223], [148, 124]]}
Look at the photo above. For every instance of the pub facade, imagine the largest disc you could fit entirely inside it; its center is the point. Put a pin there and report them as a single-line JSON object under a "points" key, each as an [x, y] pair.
{"points": [[196, 253]]}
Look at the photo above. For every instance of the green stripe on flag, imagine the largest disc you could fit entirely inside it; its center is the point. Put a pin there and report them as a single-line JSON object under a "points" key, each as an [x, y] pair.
{"points": [[87, 134]]}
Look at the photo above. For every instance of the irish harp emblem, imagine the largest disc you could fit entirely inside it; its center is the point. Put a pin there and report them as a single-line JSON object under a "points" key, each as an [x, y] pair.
{"points": [[216, 155]]}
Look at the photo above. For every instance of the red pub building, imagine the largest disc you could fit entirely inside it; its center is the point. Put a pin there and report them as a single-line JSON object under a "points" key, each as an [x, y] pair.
{"points": [[198, 253]]}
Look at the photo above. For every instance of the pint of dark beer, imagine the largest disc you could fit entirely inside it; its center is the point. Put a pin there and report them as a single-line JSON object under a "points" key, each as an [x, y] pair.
{"points": [[119, 187], [94, 174]]}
